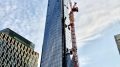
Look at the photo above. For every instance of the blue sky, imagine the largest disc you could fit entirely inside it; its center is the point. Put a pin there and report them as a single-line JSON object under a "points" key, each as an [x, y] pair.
{"points": [[26, 18], [96, 24]]}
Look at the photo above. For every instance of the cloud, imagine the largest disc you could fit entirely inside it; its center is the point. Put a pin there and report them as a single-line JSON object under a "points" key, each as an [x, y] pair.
{"points": [[84, 61], [27, 18], [94, 17]]}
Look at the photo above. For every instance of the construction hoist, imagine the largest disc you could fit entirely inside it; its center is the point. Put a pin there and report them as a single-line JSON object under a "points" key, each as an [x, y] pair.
{"points": [[71, 27]]}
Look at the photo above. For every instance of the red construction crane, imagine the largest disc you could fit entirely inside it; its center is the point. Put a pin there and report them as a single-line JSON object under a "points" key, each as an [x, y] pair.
{"points": [[71, 27]]}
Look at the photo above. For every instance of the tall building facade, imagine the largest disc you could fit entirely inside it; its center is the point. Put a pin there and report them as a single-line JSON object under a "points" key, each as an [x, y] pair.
{"points": [[16, 51], [53, 49], [117, 39]]}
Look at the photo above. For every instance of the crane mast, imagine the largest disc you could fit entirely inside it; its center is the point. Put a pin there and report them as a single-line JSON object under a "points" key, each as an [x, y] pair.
{"points": [[71, 27]]}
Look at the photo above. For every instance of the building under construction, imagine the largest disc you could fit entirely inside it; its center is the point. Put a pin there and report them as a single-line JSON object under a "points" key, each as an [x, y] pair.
{"points": [[59, 46]]}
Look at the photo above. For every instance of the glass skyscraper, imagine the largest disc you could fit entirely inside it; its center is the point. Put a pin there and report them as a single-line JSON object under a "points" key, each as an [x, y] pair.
{"points": [[16, 51], [54, 52], [53, 49]]}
